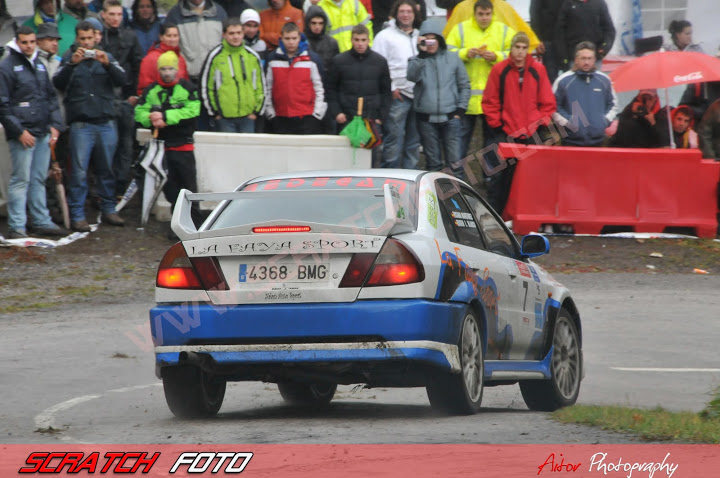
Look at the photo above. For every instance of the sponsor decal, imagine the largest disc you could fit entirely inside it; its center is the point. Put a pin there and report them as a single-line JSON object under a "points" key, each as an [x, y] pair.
{"points": [[534, 273], [523, 268], [432, 208]]}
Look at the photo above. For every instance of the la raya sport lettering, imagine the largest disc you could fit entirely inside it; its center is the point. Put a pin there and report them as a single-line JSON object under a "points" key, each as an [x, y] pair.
{"points": [[287, 246]]}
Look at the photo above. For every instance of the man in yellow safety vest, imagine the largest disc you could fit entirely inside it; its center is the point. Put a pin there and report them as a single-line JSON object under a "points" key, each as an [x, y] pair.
{"points": [[343, 15], [480, 42]]}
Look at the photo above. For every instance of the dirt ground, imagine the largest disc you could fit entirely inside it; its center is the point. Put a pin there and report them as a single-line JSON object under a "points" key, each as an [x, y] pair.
{"points": [[118, 265]]}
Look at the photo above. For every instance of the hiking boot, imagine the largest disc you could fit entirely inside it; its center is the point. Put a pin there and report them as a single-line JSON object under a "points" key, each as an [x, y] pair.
{"points": [[80, 226], [113, 219], [13, 234], [53, 230]]}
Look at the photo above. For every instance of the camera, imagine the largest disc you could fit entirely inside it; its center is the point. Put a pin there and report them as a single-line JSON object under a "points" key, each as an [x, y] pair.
{"points": [[89, 54], [428, 42], [642, 104]]}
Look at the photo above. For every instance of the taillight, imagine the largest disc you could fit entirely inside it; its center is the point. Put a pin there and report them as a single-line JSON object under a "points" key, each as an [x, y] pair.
{"points": [[357, 270], [177, 271], [394, 265]]}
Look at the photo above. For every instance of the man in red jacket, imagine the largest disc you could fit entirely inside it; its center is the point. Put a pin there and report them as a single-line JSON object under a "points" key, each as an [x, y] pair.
{"points": [[518, 104]]}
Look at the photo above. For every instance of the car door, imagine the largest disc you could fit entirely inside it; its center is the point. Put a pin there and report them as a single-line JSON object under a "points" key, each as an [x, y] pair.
{"points": [[465, 258], [523, 298]]}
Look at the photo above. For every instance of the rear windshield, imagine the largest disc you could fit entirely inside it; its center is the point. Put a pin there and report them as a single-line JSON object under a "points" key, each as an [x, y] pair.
{"points": [[351, 201]]}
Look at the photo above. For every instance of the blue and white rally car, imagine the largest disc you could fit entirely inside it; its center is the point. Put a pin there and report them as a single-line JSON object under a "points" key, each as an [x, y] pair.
{"points": [[390, 278]]}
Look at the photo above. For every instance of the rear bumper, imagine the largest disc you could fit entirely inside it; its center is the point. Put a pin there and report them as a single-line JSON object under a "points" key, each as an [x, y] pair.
{"points": [[359, 332]]}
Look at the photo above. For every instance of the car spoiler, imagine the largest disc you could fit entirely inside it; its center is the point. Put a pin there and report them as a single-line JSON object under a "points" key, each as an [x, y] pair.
{"points": [[397, 218]]}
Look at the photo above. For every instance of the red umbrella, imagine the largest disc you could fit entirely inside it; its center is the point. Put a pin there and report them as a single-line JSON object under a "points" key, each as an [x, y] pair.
{"points": [[665, 69]]}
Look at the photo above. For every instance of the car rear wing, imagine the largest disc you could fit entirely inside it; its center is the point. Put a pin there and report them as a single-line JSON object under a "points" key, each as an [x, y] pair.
{"points": [[397, 218]]}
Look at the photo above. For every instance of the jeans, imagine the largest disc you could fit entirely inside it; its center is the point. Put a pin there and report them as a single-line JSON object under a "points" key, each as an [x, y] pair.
{"points": [[439, 138], [98, 141], [235, 125], [401, 142], [468, 127], [26, 188]]}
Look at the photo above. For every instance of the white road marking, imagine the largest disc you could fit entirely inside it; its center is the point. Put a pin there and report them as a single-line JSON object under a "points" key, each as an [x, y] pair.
{"points": [[687, 370], [46, 419]]}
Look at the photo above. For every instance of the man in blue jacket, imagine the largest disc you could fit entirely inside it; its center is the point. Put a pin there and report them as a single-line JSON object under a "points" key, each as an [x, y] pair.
{"points": [[586, 102], [88, 77], [30, 114], [441, 96]]}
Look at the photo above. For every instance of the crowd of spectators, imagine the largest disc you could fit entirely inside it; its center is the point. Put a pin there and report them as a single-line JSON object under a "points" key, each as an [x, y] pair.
{"points": [[299, 67]]}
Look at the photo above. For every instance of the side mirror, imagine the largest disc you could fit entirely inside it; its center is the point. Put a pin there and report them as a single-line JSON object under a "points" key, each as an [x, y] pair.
{"points": [[534, 245]]}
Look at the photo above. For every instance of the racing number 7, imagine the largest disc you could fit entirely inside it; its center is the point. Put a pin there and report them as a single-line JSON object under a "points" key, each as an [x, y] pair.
{"points": [[525, 285]]}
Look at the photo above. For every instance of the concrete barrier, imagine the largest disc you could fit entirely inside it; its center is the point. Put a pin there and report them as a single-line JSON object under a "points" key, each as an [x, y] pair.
{"points": [[225, 160]]}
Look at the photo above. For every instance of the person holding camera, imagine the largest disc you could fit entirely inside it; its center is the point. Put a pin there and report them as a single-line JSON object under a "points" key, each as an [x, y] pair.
{"points": [[88, 78], [642, 124], [441, 97]]}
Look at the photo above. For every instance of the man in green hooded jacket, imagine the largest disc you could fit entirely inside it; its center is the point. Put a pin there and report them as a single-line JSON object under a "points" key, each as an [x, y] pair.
{"points": [[232, 85]]}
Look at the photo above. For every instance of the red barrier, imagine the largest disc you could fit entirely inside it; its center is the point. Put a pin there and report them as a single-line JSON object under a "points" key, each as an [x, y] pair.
{"points": [[648, 190]]}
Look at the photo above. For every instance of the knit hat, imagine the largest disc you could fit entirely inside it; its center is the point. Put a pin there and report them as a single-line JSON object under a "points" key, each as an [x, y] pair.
{"points": [[169, 58], [95, 23], [520, 37], [249, 15]]}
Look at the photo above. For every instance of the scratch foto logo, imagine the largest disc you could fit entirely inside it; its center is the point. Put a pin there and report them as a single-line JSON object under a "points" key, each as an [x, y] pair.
{"points": [[43, 462], [694, 76]]}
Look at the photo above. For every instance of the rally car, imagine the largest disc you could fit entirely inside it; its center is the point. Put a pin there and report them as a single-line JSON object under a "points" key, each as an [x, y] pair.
{"points": [[389, 278]]}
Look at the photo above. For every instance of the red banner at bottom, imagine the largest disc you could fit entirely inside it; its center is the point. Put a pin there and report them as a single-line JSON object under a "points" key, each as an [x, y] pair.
{"points": [[626, 461]]}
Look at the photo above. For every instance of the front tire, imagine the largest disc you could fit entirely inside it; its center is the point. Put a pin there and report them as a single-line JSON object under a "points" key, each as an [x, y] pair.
{"points": [[307, 394], [461, 394], [563, 388], [192, 393]]}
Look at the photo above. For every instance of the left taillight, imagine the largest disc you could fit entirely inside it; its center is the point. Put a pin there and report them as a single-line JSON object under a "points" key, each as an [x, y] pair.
{"points": [[394, 265], [178, 271]]}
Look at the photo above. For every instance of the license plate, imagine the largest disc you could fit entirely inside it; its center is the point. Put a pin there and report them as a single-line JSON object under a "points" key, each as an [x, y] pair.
{"points": [[254, 273]]}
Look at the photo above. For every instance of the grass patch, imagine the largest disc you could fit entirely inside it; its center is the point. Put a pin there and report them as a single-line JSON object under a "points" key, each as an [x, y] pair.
{"points": [[656, 424], [10, 309], [101, 277], [84, 291]]}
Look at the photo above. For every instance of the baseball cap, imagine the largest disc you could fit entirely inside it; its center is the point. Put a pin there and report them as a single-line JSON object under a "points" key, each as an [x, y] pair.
{"points": [[249, 15]]}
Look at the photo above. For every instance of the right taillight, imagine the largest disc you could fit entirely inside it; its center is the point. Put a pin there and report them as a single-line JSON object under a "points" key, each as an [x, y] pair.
{"points": [[394, 265], [177, 271]]}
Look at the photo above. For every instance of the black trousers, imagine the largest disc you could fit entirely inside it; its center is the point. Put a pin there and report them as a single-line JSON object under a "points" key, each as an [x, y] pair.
{"points": [[182, 174], [300, 125]]}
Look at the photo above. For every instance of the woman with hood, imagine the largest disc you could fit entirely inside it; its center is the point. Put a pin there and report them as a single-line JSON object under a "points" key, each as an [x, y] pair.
{"points": [[145, 23], [169, 41]]}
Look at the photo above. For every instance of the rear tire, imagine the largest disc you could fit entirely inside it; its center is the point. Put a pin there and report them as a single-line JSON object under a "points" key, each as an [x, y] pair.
{"points": [[192, 393], [563, 387], [307, 394], [461, 394]]}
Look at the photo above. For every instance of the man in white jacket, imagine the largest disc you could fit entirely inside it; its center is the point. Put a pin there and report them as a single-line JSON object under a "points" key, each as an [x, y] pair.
{"points": [[398, 43]]}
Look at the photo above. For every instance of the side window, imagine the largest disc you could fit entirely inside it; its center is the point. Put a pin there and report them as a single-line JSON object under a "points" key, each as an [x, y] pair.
{"points": [[459, 222], [497, 239]]}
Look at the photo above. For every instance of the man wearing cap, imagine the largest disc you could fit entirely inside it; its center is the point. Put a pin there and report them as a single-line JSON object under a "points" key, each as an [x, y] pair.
{"points": [[518, 103], [250, 20], [232, 84], [48, 39], [88, 77], [171, 106], [30, 114], [273, 19]]}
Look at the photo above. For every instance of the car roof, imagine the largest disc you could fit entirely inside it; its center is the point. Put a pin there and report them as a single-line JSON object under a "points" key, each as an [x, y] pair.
{"points": [[404, 174]]}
